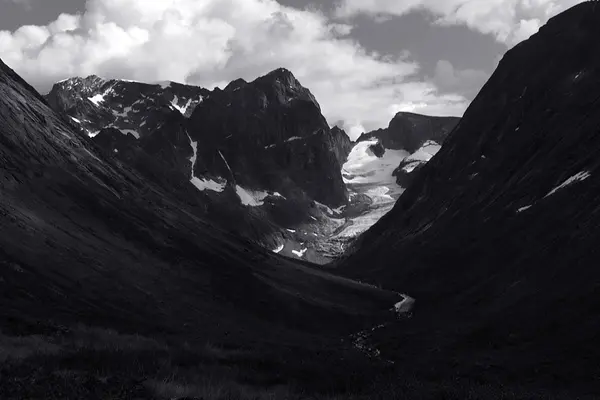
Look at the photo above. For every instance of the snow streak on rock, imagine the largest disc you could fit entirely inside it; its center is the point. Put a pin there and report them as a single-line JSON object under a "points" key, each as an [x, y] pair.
{"points": [[581, 176], [202, 184], [300, 253]]}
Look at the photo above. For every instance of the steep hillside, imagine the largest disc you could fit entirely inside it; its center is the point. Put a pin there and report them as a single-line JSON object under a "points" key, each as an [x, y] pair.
{"points": [[496, 238]]}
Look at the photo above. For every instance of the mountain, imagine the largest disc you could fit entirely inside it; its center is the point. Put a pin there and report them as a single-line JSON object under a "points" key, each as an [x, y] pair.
{"points": [[268, 134], [377, 169], [496, 237], [92, 252], [261, 156]]}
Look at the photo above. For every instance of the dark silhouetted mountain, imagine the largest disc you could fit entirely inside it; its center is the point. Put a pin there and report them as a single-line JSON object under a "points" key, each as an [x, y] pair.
{"points": [[497, 236], [409, 131]]}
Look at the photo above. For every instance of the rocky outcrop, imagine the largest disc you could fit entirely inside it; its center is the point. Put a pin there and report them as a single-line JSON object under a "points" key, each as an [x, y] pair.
{"points": [[377, 149], [342, 145]]}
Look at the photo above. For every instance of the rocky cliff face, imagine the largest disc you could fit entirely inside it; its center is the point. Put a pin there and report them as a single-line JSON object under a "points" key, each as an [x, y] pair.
{"points": [[342, 145], [269, 134], [496, 238]]}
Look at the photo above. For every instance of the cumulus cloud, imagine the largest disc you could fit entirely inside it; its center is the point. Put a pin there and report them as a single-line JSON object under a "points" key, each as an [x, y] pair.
{"points": [[211, 42], [509, 21]]}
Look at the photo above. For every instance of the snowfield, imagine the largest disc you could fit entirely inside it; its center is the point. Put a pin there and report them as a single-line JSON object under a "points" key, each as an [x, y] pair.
{"points": [[365, 173], [251, 198], [364, 167]]}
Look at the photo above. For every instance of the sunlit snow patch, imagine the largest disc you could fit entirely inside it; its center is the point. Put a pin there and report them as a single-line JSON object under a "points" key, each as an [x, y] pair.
{"points": [[208, 184], [300, 253], [580, 176], [203, 184], [183, 109], [251, 198], [520, 210], [97, 99], [421, 156], [404, 306], [75, 119], [134, 133]]}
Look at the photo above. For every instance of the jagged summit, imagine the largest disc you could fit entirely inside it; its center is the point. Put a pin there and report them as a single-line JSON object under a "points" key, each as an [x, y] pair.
{"points": [[133, 107], [235, 85], [275, 117], [409, 131], [281, 73]]}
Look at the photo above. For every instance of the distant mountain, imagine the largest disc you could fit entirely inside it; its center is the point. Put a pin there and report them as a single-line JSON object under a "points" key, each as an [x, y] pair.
{"points": [[419, 135], [378, 169], [497, 236], [409, 131]]}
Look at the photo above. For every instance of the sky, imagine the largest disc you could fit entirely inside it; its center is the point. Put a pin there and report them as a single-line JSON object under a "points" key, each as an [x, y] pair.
{"points": [[364, 60]]}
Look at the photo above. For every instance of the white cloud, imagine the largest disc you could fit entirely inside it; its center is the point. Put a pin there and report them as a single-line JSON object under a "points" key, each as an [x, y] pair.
{"points": [[211, 42], [467, 82], [509, 21]]}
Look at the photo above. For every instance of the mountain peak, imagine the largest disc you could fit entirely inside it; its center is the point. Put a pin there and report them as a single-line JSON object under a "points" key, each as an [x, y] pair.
{"points": [[282, 76], [236, 84]]}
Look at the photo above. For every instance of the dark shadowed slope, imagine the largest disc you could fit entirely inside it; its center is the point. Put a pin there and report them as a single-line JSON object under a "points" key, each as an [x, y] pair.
{"points": [[497, 238]]}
